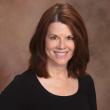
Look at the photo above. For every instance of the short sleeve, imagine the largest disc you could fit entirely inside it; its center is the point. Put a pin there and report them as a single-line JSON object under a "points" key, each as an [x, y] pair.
{"points": [[91, 92]]}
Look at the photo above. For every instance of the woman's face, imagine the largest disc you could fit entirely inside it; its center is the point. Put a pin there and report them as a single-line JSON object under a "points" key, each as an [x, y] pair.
{"points": [[59, 44]]}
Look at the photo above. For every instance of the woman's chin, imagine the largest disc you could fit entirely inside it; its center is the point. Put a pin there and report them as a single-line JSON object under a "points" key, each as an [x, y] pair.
{"points": [[61, 63]]}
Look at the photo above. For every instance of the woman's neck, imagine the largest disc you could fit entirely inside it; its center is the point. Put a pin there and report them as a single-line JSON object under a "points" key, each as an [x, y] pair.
{"points": [[57, 71]]}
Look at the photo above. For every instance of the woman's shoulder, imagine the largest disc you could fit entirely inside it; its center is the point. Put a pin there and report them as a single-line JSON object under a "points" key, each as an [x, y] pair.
{"points": [[19, 83], [86, 82], [17, 92], [86, 78]]}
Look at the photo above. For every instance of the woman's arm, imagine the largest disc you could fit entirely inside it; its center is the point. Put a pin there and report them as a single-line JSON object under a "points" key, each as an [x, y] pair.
{"points": [[91, 93], [11, 97]]}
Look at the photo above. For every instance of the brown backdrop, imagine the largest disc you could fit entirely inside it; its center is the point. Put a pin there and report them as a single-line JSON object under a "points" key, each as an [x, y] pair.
{"points": [[18, 19]]}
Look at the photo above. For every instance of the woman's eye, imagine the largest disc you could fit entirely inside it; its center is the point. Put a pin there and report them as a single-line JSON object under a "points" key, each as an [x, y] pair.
{"points": [[53, 37], [70, 37]]}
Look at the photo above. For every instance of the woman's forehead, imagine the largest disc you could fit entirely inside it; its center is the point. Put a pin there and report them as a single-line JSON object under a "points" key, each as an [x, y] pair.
{"points": [[58, 28]]}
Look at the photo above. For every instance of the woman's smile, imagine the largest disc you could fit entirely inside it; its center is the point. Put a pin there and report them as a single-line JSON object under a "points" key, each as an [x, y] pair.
{"points": [[60, 54]]}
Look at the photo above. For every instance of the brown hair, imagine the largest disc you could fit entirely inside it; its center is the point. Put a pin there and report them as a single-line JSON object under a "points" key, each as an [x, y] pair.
{"points": [[66, 14]]}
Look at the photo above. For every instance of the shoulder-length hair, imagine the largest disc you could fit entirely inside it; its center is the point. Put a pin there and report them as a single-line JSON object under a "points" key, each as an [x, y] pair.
{"points": [[66, 14]]}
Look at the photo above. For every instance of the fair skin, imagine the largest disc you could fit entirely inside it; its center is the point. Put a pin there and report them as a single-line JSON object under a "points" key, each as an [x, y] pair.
{"points": [[59, 49]]}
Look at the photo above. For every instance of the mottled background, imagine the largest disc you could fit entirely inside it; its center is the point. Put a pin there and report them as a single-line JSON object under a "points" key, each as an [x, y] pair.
{"points": [[18, 19]]}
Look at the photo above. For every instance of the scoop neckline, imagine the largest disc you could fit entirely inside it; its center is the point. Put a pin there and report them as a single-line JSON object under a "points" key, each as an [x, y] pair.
{"points": [[55, 95]]}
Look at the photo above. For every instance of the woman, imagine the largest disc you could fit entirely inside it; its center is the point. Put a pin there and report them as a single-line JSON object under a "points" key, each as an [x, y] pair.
{"points": [[56, 78]]}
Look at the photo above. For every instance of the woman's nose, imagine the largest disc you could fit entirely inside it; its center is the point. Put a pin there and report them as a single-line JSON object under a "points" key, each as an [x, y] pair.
{"points": [[61, 44]]}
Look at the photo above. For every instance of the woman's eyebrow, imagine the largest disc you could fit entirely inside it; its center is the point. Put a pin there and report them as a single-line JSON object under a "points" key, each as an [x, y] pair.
{"points": [[52, 34]]}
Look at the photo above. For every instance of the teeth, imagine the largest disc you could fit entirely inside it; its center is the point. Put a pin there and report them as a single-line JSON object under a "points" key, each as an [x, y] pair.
{"points": [[60, 54]]}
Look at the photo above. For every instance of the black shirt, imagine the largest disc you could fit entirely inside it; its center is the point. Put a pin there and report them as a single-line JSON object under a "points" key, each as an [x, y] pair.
{"points": [[25, 92]]}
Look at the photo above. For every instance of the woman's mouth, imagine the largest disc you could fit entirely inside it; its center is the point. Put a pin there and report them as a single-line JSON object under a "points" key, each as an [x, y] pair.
{"points": [[60, 54]]}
